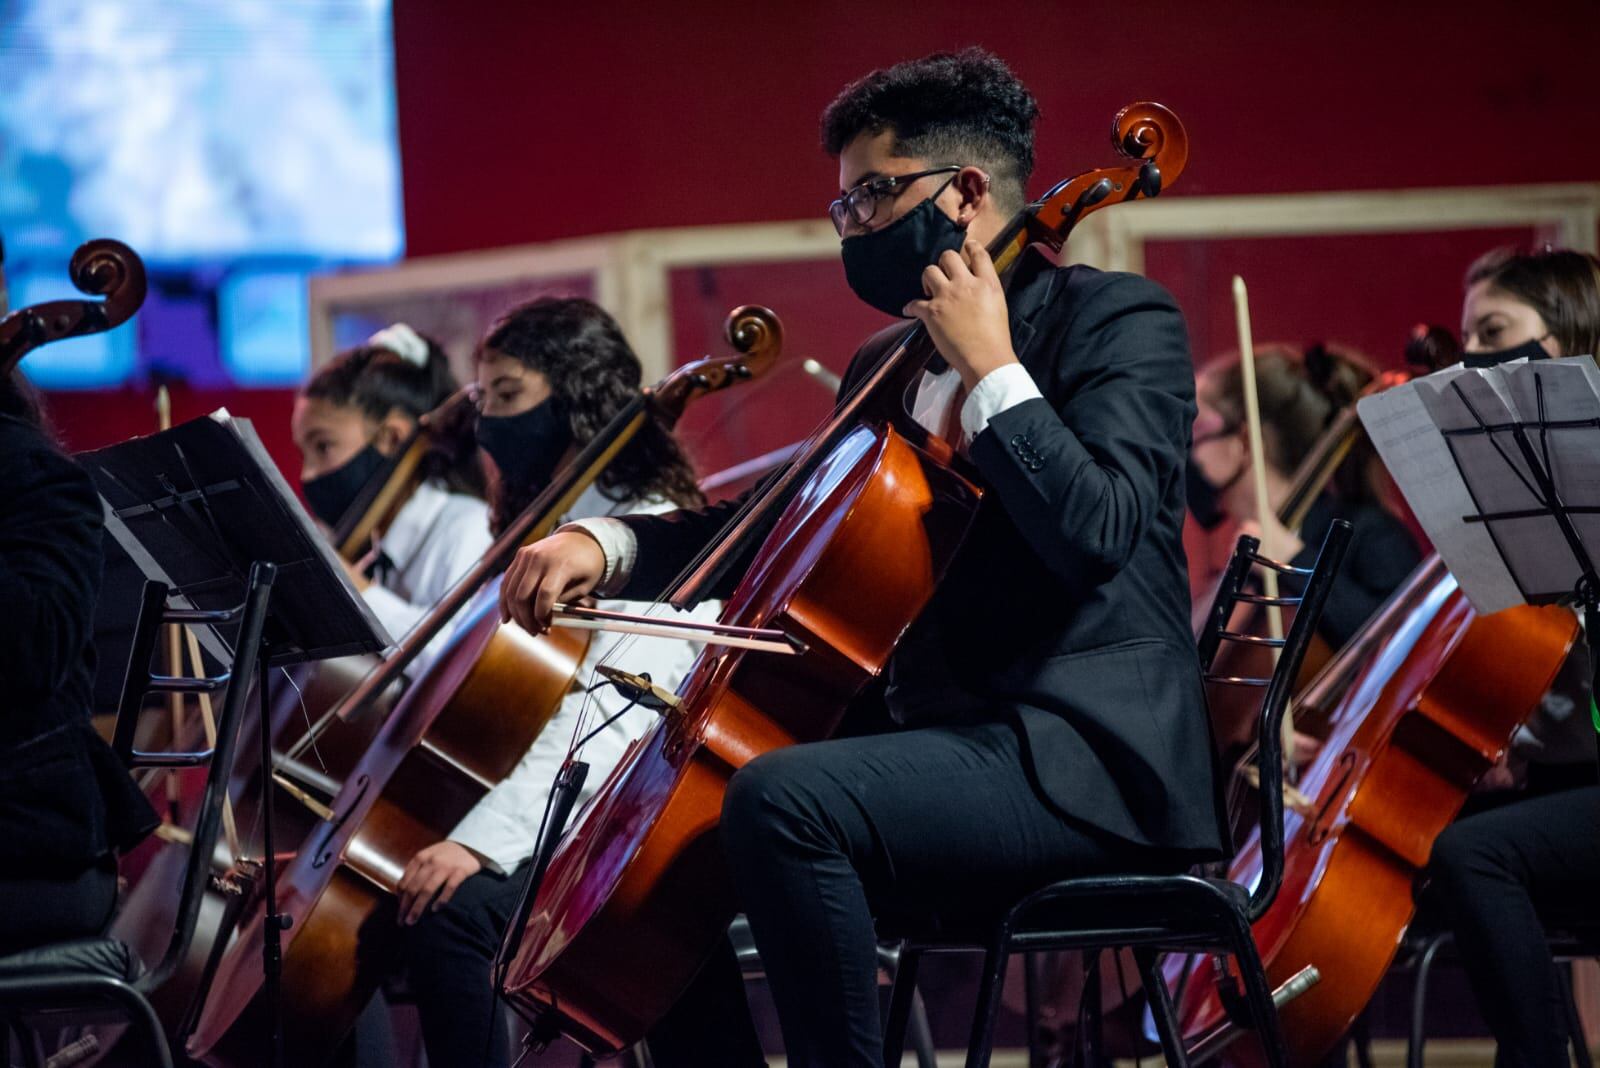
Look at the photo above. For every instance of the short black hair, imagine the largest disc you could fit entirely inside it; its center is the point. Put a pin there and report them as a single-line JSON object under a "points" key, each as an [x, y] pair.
{"points": [[961, 107]]}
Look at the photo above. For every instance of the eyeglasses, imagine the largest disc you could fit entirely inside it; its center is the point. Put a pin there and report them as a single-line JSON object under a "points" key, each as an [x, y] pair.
{"points": [[860, 203]]}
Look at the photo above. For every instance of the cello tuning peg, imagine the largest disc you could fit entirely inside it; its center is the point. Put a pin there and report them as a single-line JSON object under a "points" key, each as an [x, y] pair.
{"points": [[1150, 180]]}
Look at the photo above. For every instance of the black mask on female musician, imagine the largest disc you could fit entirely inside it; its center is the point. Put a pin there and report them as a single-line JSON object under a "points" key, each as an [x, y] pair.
{"points": [[1528, 350], [526, 447], [885, 266], [331, 494]]}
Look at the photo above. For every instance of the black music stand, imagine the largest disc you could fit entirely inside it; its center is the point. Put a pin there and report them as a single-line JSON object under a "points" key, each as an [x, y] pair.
{"points": [[197, 508], [1525, 476]]}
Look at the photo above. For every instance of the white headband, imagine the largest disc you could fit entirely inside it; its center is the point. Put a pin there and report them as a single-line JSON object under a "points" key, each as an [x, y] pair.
{"points": [[403, 341]]}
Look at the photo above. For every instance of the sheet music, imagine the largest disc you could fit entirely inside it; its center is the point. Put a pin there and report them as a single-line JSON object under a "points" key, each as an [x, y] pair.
{"points": [[1447, 479], [1410, 445], [198, 504]]}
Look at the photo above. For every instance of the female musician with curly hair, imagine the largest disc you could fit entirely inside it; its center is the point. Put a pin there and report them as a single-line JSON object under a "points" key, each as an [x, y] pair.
{"points": [[554, 373]]}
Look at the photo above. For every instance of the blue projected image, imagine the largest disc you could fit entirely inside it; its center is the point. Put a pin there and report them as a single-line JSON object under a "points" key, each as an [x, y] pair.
{"points": [[262, 316], [204, 134]]}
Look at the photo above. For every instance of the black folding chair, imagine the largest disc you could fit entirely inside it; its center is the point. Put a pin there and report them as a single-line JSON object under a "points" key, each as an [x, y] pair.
{"points": [[93, 975], [1158, 914]]}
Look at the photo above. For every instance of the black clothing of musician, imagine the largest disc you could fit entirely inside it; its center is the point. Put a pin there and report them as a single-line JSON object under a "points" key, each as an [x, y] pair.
{"points": [[66, 803], [1066, 735], [1051, 715]]}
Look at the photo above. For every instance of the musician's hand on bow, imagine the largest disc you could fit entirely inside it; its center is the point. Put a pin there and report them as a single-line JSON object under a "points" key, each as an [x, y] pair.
{"points": [[561, 568], [1278, 542], [432, 878], [965, 312]]}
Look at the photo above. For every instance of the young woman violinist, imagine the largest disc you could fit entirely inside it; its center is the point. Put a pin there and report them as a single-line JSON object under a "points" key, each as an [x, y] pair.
{"points": [[349, 420], [1497, 877], [67, 805], [553, 373]]}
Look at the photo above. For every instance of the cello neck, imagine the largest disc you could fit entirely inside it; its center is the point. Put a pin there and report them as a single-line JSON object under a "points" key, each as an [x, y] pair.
{"points": [[1315, 471]]}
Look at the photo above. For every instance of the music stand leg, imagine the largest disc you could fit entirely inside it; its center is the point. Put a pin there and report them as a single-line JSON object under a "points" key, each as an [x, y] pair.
{"points": [[273, 928], [558, 810]]}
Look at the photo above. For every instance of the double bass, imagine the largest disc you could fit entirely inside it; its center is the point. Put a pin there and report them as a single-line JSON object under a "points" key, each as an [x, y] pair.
{"points": [[462, 727], [852, 537]]}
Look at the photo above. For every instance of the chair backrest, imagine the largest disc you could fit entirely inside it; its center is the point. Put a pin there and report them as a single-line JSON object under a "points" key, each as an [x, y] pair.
{"points": [[1313, 583], [138, 680]]}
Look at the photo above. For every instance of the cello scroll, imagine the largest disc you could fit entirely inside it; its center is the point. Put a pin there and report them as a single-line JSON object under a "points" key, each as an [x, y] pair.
{"points": [[1145, 132], [757, 336], [102, 268]]}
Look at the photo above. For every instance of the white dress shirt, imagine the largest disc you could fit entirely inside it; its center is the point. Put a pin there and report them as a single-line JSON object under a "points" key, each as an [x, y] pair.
{"points": [[502, 828], [432, 541], [1004, 387]]}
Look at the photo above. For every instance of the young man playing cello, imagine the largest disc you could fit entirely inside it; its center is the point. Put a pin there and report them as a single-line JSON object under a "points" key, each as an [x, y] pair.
{"points": [[1052, 713]]}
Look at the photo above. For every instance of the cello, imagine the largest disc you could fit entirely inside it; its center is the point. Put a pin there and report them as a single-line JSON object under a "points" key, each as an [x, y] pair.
{"points": [[1434, 702], [853, 534], [462, 727]]}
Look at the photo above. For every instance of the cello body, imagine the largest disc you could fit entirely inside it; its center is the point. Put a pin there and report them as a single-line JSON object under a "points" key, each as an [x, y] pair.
{"points": [[1417, 726], [642, 878], [460, 729]]}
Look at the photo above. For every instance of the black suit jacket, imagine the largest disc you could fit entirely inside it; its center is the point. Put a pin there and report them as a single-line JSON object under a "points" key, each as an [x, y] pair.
{"points": [[65, 799], [1067, 607]]}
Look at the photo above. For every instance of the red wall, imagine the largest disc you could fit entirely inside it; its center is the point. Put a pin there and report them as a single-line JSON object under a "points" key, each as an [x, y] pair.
{"points": [[524, 122]]}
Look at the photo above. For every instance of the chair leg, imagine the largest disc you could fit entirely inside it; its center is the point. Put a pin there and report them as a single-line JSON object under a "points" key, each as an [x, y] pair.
{"points": [[1161, 1010], [902, 993], [922, 1033], [1419, 998], [981, 1043], [1031, 963], [1258, 995], [1361, 1040], [1580, 1042]]}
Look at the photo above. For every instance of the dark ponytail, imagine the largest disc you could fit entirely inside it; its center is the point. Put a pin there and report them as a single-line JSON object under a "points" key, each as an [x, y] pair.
{"points": [[376, 380]]}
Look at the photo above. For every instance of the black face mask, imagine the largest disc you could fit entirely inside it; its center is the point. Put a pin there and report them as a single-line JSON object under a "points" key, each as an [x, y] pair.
{"points": [[885, 266], [526, 447], [1531, 350], [330, 495]]}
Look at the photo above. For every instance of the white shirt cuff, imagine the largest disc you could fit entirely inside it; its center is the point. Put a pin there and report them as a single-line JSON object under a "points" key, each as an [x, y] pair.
{"points": [[1004, 387], [617, 544]]}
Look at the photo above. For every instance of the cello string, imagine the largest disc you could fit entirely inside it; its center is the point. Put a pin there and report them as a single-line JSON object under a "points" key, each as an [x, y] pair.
{"points": [[775, 492]]}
